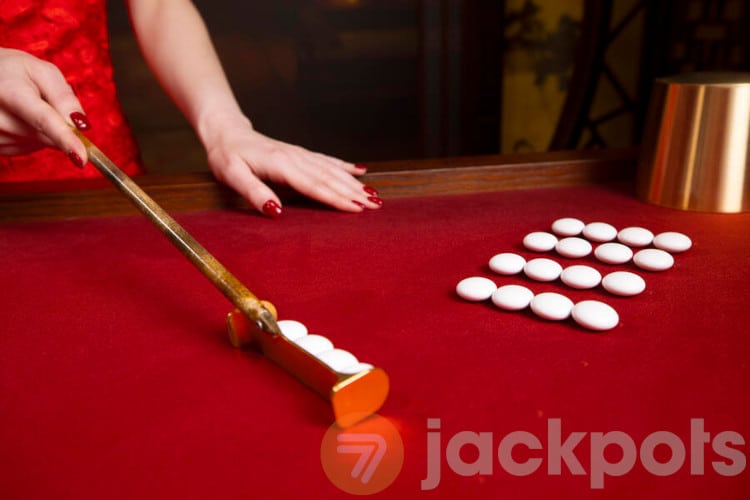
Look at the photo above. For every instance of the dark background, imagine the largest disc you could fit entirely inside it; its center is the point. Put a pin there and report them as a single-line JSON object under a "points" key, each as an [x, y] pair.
{"points": [[396, 79]]}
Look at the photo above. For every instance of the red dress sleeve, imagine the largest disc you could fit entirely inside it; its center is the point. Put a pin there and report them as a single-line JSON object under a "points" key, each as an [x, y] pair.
{"points": [[72, 34]]}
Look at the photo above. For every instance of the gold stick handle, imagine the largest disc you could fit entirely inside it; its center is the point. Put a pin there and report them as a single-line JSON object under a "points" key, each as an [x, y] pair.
{"points": [[225, 281]]}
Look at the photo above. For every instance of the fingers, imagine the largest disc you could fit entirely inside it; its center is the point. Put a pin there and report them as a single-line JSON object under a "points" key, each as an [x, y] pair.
{"points": [[56, 132], [37, 107], [238, 176], [351, 168], [242, 159], [61, 102], [333, 184], [312, 177]]}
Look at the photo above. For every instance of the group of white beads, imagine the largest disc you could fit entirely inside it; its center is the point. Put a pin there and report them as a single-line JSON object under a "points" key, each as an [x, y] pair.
{"points": [[338, 360], [572, 238]]}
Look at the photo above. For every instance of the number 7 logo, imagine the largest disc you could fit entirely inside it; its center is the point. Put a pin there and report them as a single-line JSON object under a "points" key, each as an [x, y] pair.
{"points": [[363, 459], [370, 447]]}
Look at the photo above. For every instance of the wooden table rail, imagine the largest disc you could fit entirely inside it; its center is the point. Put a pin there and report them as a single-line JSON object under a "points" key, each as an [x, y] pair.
{"points": [[49, 200]]}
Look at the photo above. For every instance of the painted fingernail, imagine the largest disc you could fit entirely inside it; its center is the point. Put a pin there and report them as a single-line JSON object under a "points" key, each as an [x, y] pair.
{"points": [[360, 205], [77, 161], [80, 121], [375, 200], [271, 209], [371, 191], [361, 167]]}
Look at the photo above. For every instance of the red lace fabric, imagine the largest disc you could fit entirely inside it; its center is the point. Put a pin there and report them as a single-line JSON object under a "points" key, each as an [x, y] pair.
{"points": [[72, 34]]}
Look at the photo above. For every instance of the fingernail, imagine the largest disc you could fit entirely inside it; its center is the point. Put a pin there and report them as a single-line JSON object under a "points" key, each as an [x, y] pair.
{"points": [[360, 205], [371, 191], [80, 121], [271, 209], [361, 167], [77, 161], [375, 200]]}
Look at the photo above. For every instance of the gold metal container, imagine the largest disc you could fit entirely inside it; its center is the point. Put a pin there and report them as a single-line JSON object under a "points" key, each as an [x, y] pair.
{"points": [[695, 153]]}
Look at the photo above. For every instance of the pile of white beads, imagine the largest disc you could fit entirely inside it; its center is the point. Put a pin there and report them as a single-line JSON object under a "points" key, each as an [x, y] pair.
{"points": [[573, 239], [338, 360]]}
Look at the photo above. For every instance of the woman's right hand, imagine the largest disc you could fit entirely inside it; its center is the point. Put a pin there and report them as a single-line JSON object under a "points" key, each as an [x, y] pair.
{"points": [[37, 107]]}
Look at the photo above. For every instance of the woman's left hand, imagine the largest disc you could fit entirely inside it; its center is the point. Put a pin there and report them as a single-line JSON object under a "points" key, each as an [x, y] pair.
{"points": [[243, 158]]}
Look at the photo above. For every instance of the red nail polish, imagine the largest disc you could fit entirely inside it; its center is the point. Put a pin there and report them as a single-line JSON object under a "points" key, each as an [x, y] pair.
{"points": [[375, 200], [271, 209], [361, 167], [80, 121], [360, 205], [77, 161], [371, 191]]}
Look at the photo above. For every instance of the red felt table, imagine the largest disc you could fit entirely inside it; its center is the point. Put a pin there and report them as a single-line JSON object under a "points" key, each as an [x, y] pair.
{"points": [[117, 379]]}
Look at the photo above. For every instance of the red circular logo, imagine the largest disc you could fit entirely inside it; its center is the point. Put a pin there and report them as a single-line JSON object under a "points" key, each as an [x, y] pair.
{"points": [[365, 458]]}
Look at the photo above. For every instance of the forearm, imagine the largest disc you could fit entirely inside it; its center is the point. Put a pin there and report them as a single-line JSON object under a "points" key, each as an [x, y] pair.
{"points": [[176, 44], [177, 47]]}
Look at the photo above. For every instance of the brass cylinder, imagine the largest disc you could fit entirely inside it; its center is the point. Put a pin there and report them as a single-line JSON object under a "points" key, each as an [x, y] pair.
{"points": [[695, 153]]}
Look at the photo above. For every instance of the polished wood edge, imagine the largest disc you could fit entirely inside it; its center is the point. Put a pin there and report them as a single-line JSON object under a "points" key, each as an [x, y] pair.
{"points": [[424, 177], [489, 174]]}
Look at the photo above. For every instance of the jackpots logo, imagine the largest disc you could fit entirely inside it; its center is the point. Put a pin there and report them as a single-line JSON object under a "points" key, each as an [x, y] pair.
{"points": [[362, 459]]}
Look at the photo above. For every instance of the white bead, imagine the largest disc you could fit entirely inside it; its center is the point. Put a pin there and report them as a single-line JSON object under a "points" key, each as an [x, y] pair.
{"points": [[595, 315], [507, 263], [599, 231], [623, 283], [337, 359], [356, 368], [512, 297], [567, 226], [581, 277], [292, 329], [673, 242], [613, 253], [551, 305], [635, 236], [653, 259], [542, 269], [475, 288], [540, 241], [573, 247], [314, 344]]}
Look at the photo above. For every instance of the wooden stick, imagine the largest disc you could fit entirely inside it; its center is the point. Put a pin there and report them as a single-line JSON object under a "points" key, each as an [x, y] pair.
{"points": [[225, 281]]}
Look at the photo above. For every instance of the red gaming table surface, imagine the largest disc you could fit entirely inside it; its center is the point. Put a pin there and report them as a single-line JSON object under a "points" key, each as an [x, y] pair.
{"points": [[117, 381]]}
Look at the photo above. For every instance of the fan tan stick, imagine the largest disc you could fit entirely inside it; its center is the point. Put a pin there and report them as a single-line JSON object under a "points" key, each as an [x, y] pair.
{"points": [[225, 281]]}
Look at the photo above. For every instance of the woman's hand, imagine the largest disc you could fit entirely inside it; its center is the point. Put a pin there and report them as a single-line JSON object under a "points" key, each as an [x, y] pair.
{"points": [[178, 48], [35, 100], [242, 158]]}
